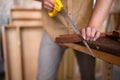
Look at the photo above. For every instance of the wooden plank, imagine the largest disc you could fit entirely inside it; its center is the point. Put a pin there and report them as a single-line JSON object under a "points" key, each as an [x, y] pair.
{"points": [[23, 26], [68, 38], [19, 51], [21, 46], [107, 45], [27, 23], [111, 36], [31, 38], [24, 16], [103, 43], [24, 9], [5, 53], [13, 65], [116, 33], [98, 54], [25, 19]]}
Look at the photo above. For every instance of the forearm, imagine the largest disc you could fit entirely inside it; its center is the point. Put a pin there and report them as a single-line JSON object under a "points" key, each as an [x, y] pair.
{"points": [[100, 12]]}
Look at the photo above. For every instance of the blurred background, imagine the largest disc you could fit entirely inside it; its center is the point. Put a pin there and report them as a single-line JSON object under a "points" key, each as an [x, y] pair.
{"points": [[68, 68]]}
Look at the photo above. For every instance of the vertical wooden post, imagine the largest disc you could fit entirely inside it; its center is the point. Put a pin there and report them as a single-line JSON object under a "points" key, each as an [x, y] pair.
{"points": [[5, 53], [12, 53], [20, 68], [107, 71]]}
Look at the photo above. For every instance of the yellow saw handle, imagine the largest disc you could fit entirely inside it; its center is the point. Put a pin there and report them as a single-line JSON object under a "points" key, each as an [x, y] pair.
{"points": [[57, 8]]}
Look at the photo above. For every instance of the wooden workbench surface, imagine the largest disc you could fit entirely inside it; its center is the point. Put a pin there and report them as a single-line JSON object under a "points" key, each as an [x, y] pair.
{"points": [[104, 48], [107, 45]]}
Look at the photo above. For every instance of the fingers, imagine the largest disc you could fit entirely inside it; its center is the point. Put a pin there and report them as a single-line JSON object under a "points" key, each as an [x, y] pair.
{"points": [[96, 36], [48, 5], [93, 33], [90, 34], [83, 33]]}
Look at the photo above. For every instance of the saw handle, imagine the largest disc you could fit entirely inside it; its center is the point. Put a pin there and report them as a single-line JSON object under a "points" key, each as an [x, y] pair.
{"points": [[57, 8]]}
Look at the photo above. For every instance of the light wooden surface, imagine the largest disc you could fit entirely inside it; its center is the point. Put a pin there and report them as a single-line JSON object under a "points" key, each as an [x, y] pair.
{"points": [[27, 36], [21, 46], [28, 17]]}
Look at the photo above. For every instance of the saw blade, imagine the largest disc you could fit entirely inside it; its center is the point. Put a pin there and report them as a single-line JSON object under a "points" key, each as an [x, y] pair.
{"points": [[75, 28]]}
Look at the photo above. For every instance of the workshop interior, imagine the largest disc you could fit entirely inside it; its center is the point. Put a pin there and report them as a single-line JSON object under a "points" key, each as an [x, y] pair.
{"points": [[21, 30]]}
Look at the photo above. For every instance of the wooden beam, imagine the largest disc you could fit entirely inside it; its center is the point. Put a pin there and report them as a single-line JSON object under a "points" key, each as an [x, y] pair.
{"points": [[98, 54], [28, 17], [116, 33], [102, 44], [68, 38], [104, 48]]}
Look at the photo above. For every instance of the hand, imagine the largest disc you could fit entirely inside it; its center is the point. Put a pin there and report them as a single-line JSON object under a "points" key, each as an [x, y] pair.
{"points": [[48, 5], [90, 33]]}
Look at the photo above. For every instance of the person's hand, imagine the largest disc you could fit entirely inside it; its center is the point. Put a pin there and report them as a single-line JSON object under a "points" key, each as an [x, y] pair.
{"points": [[90, 34], [48, 5]]}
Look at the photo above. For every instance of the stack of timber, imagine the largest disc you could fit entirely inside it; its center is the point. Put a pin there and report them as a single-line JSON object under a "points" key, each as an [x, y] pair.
{"points": [[21, 39]]}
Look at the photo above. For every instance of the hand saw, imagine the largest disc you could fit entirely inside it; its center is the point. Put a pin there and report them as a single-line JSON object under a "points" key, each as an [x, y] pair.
{"points": [[58, 8]]}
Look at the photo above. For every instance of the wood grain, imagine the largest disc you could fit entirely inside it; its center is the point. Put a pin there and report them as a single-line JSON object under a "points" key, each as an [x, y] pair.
{"points": [[21, 46], [102, 44], [98, 54]]}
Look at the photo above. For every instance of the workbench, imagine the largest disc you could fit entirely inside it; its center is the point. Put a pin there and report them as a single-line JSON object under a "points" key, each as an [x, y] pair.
{"points": [[104, 48]]}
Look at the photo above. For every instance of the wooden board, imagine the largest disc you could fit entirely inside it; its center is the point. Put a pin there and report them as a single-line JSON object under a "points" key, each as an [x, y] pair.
{"points": [[21, 46], [98, 54], [28, 17], [102, 44], [107, 45], [116, 33]]}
